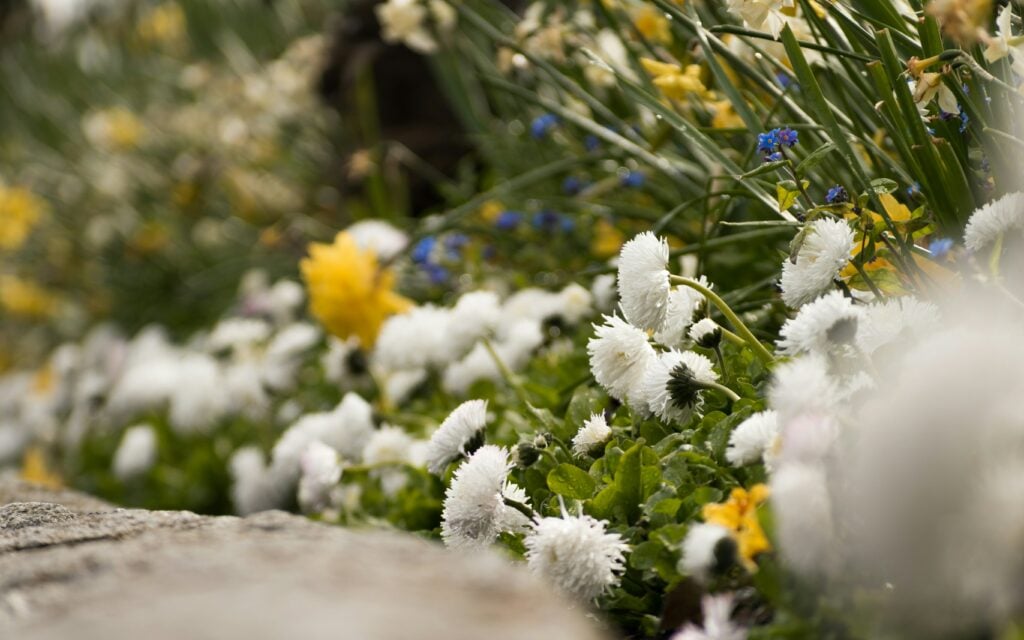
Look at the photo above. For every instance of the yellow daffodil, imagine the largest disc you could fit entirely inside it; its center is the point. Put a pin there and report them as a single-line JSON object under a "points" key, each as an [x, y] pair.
{"points": [[674, 81], [350, 293], [652, 24], [20, 210], [724, 116], [490, 210], [738, 514]]}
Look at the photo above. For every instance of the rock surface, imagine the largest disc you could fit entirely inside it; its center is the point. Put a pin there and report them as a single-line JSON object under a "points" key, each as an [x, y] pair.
{"points": [[74, 567]]}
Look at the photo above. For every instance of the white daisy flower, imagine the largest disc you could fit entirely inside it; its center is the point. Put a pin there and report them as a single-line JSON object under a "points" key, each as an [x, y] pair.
{"points": [[594, 433], [619, 357], [286, 353], [644, 281], [577, 554], [683, 303], [718, 624], [994, 219], [891, 321], [320, 473], [461, 429], [825, 251], [474, 507], [699, 547], [753, 439], [510, 519], [821, 325], [672, 384], [137, 452]]}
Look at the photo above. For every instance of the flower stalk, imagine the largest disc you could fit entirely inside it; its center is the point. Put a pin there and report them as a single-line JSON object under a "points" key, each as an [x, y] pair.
{"points": [[747, 336]]}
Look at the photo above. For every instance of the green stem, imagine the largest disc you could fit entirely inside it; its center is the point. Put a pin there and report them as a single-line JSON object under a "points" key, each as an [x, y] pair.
{"points": [[506, 373], [759, 349], [521, 508], [729, 393]]}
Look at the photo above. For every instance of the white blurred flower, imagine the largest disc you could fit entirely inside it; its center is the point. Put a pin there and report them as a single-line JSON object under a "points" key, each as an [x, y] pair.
{"points": [[825, 251], [197, 401], [320, 473], [895, 320], [603, 290], [237, 333], [405, 21], [993, 220], [384, 239], [718, 624], [753, 439], [699, 547], [137, 452], [823, 324]]}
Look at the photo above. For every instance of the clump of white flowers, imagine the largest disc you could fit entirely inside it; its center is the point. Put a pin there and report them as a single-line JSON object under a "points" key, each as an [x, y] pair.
{"points": [[619, 357], [754, 439]]}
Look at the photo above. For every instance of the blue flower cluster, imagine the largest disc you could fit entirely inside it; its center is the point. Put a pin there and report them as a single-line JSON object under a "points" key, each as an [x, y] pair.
{"points": [[542, 125], [770, 144], [837, 195], [431, 254]]}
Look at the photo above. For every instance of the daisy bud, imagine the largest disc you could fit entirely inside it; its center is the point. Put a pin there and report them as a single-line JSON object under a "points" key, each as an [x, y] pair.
{"points": [[706, 333]]}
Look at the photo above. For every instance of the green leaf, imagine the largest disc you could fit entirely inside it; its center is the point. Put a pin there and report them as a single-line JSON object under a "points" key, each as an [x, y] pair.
{"points": [[815, 158], [572, 482], [767, 167], [882, 186], [629, 482]]}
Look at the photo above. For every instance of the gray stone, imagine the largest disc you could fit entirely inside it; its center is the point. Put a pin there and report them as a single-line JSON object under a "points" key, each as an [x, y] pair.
{"points": [[118, 574]]}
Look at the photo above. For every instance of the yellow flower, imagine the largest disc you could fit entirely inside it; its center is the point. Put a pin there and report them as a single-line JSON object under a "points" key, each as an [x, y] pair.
{"points": [[490, 210], [725, 117], [350, 293], [20, 210], [163, 24], [738, 514], [673, 80], [607, 239], [653, 25], [116, 129], [25, 298], [34, 469]]}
